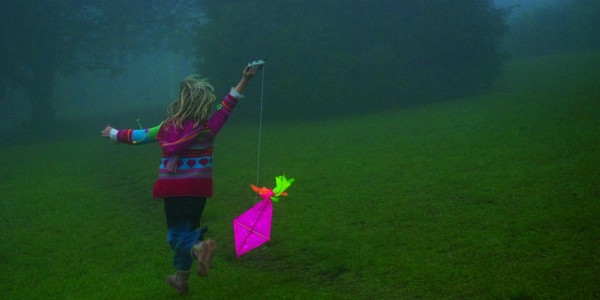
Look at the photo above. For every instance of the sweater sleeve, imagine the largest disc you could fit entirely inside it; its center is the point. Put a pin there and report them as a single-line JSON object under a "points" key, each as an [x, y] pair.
{"points": [[135, 136], [224, 110]]}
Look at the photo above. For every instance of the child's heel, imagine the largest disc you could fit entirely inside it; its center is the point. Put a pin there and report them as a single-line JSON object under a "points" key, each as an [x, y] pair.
{"points": [[204, 256]]}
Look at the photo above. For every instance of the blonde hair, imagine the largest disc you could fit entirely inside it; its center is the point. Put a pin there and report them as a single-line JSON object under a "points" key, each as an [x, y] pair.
{"points": [[195, 98]]}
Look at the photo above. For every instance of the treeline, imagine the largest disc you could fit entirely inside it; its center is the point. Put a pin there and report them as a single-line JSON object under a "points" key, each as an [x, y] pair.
{"points": [[349, 56], [570, 26]]}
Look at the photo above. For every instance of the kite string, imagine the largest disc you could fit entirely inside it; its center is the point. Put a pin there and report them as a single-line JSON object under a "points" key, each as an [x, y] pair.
{"points": [[262, 86]]}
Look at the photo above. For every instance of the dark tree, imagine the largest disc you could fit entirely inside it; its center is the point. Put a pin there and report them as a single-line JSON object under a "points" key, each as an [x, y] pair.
{"points": [[357, 55], [40, 39]]}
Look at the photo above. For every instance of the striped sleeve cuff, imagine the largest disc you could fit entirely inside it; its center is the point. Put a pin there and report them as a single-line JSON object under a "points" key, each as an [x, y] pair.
{"points": [[229, 103], [125, 136]]}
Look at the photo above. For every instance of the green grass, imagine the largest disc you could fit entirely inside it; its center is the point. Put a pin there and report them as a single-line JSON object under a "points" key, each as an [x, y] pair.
{"points": [[495, 196]]}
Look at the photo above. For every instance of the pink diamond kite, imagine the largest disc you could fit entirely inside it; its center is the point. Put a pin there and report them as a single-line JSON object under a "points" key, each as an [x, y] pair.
{"points": [[253, 228]]}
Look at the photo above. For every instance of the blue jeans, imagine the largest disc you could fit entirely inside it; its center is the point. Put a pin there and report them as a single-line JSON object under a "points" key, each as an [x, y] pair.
{"points": [[183, 219], [182, 239]]}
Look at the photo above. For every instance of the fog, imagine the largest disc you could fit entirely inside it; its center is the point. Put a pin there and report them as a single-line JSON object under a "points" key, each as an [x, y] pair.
{"points": [[151, 80], [424, 54], [522, 6]]}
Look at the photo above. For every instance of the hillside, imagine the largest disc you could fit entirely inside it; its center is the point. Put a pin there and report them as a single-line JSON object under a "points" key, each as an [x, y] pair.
{"points": [[494, 196]]}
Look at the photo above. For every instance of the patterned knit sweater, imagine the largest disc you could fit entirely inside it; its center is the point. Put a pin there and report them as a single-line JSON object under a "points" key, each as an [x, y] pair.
{"points": [[185, 168]]}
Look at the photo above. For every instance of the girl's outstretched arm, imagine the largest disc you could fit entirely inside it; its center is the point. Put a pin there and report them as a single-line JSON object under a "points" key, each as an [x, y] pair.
{"points": [[131, 136]]}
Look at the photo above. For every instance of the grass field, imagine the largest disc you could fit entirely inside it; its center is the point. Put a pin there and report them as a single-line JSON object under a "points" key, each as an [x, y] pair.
{"points": [[490, 197]]}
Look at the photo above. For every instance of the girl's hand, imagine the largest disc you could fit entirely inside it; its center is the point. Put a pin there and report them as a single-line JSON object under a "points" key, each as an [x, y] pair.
{"points": [[246, 75], [250, 71], [106, 132]]}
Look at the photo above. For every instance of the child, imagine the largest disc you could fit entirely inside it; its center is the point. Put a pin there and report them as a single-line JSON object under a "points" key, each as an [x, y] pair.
{"points": [[185, 171]]}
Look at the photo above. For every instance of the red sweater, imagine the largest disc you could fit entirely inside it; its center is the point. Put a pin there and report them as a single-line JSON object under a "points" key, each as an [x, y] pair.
{"points": [[190, 150]]}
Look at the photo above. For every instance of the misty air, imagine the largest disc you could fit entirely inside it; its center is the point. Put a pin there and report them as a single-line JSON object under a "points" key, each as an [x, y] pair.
{"points": [[410, 149]]}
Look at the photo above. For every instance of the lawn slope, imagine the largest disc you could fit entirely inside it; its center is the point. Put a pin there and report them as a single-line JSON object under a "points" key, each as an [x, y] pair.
{"points": [[494, 196]]}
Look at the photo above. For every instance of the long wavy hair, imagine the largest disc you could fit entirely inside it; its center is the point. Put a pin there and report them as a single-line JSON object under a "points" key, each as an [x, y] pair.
{"points": [[195, 99]]}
